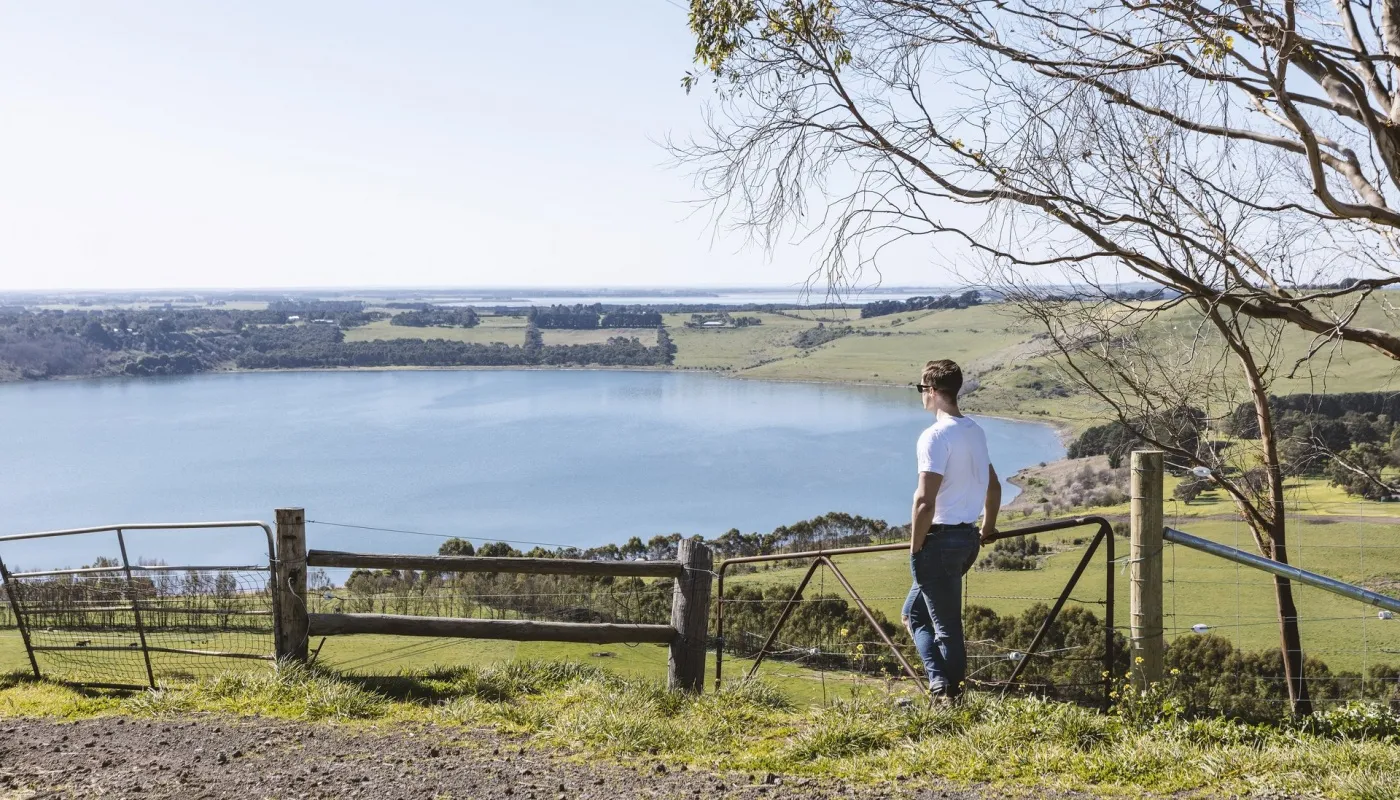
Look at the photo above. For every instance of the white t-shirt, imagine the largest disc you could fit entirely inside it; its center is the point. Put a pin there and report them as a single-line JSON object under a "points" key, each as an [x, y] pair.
{"points": [[956, 448]]}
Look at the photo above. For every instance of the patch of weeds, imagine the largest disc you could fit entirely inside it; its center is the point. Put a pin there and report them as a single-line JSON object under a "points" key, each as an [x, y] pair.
{"points": [[1370, 785], [1355, 721], [287, 691], [758, 693]]}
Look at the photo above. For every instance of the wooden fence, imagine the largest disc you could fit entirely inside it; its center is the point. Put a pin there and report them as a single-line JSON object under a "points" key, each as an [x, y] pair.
{"points": [[692, 571]]}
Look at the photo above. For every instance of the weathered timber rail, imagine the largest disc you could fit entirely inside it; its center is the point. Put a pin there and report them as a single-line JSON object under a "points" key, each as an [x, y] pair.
{"points": [[692, 570], [519, 630], [534, 566]]}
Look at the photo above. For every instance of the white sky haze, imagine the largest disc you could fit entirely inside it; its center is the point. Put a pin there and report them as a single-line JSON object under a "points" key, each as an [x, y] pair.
{"points": [[173, 143]]}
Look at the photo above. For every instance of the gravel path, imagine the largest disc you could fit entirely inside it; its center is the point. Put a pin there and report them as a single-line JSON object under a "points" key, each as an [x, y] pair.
{"points": [[249, 759]]}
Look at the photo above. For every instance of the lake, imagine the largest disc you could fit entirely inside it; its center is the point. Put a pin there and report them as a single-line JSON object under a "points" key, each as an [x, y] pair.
{"points": [[574, 457]]}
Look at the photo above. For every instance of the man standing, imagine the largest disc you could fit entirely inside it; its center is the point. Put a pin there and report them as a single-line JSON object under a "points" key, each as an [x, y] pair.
{"points": [[957, 484]]}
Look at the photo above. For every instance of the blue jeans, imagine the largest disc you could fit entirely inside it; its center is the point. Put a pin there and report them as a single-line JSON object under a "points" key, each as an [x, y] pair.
{"points": [[934, 606]]}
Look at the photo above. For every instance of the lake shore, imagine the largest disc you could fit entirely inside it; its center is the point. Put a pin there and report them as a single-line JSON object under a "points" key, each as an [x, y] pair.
{"points": [[1065, 431]]}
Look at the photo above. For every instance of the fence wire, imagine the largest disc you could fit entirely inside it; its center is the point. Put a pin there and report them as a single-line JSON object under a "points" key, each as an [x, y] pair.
{"points": [[115, 623], [1222, 625]]}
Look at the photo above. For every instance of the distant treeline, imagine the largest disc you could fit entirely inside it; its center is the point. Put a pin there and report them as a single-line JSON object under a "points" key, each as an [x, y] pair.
{"points": [[592, 317], [316, 306], [49, 344], [1353, 439], [429, 316], [881, 308], [301, 347]]}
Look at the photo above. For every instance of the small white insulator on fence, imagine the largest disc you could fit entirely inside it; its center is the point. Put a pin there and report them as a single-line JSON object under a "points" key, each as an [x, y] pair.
{"points": [[1200, 627], [1015, 655], [1385, 614]]}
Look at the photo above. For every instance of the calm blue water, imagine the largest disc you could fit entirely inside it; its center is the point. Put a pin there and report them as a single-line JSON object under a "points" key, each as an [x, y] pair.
{"points": [[563, 457]]}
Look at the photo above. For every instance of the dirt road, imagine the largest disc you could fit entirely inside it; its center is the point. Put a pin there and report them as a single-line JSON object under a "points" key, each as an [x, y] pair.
{"points": [[206, 757]]}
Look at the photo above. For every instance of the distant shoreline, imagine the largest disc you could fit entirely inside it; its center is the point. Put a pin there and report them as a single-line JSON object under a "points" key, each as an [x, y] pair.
{"points": [[1064, 430]]}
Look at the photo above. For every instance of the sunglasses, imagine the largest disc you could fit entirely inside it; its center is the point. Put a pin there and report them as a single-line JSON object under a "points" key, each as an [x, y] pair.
{"points": [[922, 387]]}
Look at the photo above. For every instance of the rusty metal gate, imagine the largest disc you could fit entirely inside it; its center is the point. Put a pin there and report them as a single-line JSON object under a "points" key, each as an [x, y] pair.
{"points": [[119, 624], [823, 558]]}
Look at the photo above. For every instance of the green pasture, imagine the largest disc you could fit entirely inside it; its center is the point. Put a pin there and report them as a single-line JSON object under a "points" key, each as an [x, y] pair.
{"points": [[734, 349], [1306, 497], [506, 330], [1237, 602], [492, 329]]}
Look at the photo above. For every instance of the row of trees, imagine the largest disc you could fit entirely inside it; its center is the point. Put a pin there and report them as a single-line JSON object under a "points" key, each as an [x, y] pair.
{"points": [[581, 317], [52, 344], [436, 316], [881, 308], [171, 600]]}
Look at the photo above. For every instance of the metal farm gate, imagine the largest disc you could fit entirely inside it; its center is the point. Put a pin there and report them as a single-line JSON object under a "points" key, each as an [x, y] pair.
{"points": [[118, 624]]}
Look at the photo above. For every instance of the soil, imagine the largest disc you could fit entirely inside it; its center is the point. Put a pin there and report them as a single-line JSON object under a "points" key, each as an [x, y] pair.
{"points": [[206, 757]]}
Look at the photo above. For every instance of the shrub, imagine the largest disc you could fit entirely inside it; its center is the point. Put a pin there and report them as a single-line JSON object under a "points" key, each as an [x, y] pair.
{"points": [[1019, 553]]}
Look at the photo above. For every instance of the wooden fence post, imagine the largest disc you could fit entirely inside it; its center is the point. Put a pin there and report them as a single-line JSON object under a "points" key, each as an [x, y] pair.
{"points": [[690, 616], [289, 585], [1145, 574]]}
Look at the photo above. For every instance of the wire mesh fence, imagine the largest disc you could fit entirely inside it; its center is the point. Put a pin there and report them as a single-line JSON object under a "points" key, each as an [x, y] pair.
{"points": [[828, 641], [118, 623], [1222, 624]]}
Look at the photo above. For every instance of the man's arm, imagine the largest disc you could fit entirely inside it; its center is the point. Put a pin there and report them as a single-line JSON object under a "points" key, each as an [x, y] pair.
{"points": [[993, 504], [922, 517]]}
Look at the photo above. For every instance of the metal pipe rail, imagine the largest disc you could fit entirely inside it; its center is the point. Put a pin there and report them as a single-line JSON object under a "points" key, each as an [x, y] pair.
{"points": [[147, 526], [1282, 570], [822, 557]]}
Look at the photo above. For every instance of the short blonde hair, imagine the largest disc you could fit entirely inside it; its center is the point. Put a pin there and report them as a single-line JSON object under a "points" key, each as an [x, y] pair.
{"points": [[945, 377]]}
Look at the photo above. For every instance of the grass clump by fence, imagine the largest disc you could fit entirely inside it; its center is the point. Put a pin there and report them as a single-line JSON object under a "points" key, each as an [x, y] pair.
{"points": [[1146, 745]]}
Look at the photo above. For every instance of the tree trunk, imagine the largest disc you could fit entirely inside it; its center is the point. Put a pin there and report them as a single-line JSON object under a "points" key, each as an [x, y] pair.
{"points": [[1290, 640], [1269, 523]]}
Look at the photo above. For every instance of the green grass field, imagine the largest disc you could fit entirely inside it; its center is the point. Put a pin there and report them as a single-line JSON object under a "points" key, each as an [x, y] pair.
{"points": [[505, 330]]}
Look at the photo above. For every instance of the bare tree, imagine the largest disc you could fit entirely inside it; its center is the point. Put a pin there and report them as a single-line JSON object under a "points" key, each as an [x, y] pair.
{"points": [[859, 117], [1242, 155], [1170, 376]]}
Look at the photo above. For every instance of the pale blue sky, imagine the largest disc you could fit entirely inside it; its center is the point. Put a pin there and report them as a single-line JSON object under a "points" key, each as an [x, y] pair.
{"points": [[183, 143]]}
